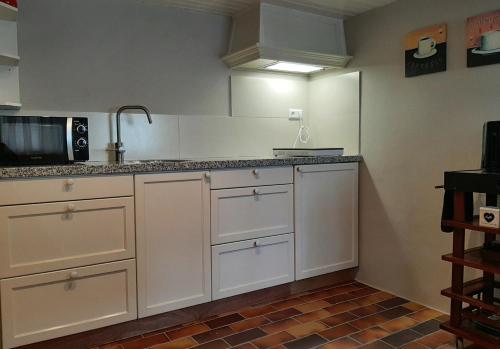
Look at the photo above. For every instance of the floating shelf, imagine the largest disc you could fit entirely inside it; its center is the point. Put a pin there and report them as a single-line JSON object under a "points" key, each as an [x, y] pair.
{"points": [[474, 259], [10, 106], [6, 59], [7, 12], [474, 225]]}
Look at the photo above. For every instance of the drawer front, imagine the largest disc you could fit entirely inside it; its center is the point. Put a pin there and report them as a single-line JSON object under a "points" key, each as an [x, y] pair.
{"points": [[248, 213], [251, 265], [46, 306], [251, 177], [33, 191], [45, 237]]}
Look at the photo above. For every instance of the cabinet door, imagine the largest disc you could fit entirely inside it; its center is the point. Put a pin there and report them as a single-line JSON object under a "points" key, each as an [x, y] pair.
{"points": [[173, 241], [326, 218]]}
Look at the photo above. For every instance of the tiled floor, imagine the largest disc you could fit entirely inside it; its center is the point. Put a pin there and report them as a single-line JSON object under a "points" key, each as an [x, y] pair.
{"points": [[348, 316]]}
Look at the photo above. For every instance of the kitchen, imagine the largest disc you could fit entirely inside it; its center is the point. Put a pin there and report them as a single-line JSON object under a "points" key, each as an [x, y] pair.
{"points": [[202, 236]]}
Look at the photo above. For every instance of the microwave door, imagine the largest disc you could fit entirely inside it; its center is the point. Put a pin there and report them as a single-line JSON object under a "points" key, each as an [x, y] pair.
{"points": [[34, 140]]}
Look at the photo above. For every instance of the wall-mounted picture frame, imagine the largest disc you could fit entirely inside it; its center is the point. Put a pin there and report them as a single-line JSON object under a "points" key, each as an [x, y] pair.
{"points": [[483, 39], [425, 51]]}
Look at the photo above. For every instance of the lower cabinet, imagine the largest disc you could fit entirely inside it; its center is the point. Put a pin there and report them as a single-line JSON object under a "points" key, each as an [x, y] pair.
{"points": [[44, 306], [173, 241], [326, 218], [250, 265]]}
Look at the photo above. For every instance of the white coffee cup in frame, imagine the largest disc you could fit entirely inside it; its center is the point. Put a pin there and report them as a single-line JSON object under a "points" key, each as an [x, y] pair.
{"points": [[425, 45], [490, 40]]}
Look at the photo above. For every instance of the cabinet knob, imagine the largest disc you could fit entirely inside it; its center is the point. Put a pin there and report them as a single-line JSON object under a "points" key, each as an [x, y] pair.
{"points": [[207, 175], [70, 208], [256, 191], [255, 172], [256, 243], [70, 182], [73, 275], [299, 169]]}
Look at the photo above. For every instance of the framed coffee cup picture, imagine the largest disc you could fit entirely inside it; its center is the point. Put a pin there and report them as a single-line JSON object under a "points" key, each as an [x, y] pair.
{"points": [[425, 51], [483, 39]]}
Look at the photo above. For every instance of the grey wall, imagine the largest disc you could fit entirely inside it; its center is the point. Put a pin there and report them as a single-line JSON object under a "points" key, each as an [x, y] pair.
{"points": [[94, 55], [411, 131]]}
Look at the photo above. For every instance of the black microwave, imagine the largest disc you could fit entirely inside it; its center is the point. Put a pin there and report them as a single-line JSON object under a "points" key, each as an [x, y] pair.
{"points": [[42, 140]]}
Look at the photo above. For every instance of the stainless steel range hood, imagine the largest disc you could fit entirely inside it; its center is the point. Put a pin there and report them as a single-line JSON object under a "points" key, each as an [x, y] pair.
{"points": [[280, 38]]}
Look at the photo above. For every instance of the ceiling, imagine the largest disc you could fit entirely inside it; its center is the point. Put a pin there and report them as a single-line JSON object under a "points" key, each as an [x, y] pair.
{"points": [[343, 8]]}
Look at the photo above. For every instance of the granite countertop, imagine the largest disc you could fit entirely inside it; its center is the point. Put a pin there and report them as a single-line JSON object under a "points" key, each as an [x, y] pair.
{"points": [[155, 166]]}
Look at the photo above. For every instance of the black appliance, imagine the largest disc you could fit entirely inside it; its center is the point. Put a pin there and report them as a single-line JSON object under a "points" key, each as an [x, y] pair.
{"points": [[491, 146], [41, 140]]}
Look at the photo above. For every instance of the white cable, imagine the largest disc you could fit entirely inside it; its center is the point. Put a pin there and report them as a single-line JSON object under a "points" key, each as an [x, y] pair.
{"points": [[303, 135]]}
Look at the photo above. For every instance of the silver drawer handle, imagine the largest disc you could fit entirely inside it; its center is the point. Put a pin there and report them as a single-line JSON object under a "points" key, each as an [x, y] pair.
{"points": [[256, 191], [255, 172], [70, 208]]}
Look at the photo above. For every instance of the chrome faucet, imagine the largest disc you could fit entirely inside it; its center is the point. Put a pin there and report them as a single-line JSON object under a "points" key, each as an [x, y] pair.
{"points": [[119, 149]]}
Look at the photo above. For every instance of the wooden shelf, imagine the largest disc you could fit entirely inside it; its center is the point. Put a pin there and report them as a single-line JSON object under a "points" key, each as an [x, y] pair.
{"points": [[474, 259], [474, 225], [472, 288], [10, 106], [472, 313], [7, 59], [470, 331], [7, 12]]}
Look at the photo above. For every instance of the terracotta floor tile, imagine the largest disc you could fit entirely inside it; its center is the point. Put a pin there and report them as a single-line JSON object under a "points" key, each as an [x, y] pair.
{"points": [[425, 315], [280, 326], [273, 340], [414, 345], [342, 307], [374, 298], [142, 343], [313, 316], [306, 342], [367, 310], [283, 314], [437, 339], [376, 345], [257, 311], [413, 306], [370, 335], [182, 343], [364, 292], [427, 327], [393, 302], [287, 303], [218, 344], [245, 346], [394, 313], [338, 332], [303, 330], [224, 320], [344, 289], [308, 307], [314, 296], [342, 343], [111, 346], [339, 319], [399, 324], [213, 334], [249, 323], [443, 318], [368, 321], [187, 331], [246, 336], [401, 338], [339, 298]]}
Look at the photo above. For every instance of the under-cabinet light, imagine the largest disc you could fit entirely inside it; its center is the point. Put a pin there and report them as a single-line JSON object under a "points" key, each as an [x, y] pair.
{"points": [[294, 67]]}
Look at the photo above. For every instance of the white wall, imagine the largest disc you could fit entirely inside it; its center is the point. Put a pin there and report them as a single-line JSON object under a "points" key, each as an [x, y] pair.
{"points": [[412, 130]]}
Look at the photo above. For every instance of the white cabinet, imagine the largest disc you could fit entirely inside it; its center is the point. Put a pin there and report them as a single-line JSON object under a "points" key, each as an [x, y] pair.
{"points": [[44, 237], [44, 306], [173, 241], [251, 265], [248, 213], [326, 218]]}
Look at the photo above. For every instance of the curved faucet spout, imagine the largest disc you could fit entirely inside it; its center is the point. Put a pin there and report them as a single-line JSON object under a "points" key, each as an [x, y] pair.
{"points": [[119, 149]]}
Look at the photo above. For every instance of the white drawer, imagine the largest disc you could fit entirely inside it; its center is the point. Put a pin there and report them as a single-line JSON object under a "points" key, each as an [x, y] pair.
{"points": [[251, 177], [46, 306], [45, 237], [33, 191], [248, 213], [251, 265]]}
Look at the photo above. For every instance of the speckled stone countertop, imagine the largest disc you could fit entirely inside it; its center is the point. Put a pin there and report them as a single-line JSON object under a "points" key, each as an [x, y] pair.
{"points": [[156, 166]]}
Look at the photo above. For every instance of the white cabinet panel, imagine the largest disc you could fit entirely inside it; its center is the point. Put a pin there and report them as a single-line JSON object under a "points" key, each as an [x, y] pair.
{"points": [[50, 305], [31, 191], [247, 213], [251, 265], [45, 237], [173, 241], [251, 177], [326, 218]]}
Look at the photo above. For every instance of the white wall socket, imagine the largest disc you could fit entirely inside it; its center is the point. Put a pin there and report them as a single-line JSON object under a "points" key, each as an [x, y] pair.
{"points": [[295, 114]]}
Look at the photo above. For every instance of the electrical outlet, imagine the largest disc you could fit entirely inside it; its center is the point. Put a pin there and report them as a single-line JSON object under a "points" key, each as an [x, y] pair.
{"points": [[295, 114]]}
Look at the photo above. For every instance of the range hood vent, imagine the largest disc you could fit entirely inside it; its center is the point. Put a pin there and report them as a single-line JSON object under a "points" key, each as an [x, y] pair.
{"points": [[269, 34]]}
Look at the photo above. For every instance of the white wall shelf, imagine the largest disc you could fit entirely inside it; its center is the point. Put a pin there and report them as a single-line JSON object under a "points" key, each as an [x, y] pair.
{"points": [[7, 12], [10, 106], [7, 59]]}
